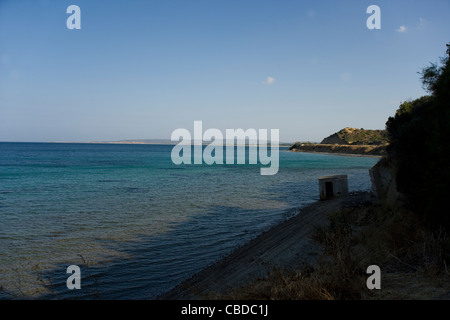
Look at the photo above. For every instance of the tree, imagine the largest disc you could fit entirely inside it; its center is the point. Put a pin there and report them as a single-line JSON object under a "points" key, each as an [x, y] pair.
{"points": [[419, 134]]}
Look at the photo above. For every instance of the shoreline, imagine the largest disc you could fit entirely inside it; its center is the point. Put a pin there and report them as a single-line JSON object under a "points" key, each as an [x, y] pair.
{"points": [[285, 245], [341, 149], [339, 153]]}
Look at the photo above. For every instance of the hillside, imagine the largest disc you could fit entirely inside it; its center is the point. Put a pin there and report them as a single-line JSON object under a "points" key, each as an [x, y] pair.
{"points": [[349, 141], [353, 136]]}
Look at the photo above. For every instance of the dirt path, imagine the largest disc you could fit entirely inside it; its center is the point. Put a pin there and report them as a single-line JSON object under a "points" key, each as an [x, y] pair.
{"points": [[286, 245]]}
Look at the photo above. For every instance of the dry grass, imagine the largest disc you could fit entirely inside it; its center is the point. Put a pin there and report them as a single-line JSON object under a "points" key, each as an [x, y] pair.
{"points": [[413, 261]]}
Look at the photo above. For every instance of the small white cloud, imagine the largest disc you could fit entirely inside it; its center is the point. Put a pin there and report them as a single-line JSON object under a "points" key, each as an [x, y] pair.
{"points": [[401, 29], [269, 80]]}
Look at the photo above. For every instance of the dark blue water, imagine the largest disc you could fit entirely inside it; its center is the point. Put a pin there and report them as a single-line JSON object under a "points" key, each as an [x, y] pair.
{"points": [[134, 222]]}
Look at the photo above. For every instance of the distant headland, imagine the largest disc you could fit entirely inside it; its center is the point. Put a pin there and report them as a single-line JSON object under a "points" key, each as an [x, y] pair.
{"points": [[349, 141]]}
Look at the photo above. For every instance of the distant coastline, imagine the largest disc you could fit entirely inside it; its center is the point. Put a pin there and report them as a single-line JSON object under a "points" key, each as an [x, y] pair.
{"points": [[150, 141], [339, 149], [349, 142], [146, 141]]}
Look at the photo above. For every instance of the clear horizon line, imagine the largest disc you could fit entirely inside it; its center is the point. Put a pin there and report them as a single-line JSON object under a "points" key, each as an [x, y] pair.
{"points": [[137, 141]]}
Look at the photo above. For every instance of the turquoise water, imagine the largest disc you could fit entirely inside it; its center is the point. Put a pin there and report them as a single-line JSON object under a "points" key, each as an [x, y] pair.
{"points": [[134, 222]]}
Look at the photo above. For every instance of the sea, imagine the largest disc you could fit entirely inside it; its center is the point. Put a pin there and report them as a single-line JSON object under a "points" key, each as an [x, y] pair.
{"points": [[133, 222]]}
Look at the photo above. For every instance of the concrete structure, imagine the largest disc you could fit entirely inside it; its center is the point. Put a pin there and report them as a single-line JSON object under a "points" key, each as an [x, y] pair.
{"points": [[333, 186]]}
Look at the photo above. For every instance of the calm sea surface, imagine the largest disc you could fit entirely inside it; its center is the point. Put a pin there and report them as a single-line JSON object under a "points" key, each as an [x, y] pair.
{"points": [[135, 223]]}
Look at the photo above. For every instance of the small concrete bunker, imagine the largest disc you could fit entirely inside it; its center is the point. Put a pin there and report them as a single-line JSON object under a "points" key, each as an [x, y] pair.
{"points": [[333, 186]]}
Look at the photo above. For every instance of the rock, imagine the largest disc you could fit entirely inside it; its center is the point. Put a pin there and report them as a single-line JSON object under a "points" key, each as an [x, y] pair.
{"points": [[383, 177]]}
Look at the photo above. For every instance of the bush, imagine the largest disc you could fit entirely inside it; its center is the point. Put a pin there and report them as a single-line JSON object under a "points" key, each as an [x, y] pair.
{"points": [[419, 147]]}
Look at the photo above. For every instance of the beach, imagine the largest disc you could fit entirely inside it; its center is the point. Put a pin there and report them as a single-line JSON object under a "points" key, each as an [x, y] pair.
{"points": [[343, 154], [287, 245], [341, 149]]}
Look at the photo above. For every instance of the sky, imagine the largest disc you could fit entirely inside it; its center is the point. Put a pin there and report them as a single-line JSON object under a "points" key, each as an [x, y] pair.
{"points": [[141, 69]]}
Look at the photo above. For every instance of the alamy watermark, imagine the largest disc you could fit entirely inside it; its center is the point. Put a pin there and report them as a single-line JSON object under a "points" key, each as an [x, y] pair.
{"points": [[74, 20], [74, 280], [374, 21], [374, 280], [213, 153]]}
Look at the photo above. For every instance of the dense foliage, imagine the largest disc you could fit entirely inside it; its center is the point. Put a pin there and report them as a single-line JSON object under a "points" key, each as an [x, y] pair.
{"points": [[420, 148]]}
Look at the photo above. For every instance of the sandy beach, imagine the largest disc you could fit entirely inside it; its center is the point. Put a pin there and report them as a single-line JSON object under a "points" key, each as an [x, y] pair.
{"points": [[286, 245]]}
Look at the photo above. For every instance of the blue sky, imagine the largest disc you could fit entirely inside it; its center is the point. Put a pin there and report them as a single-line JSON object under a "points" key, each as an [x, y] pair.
{"points": [[141, 69]]}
